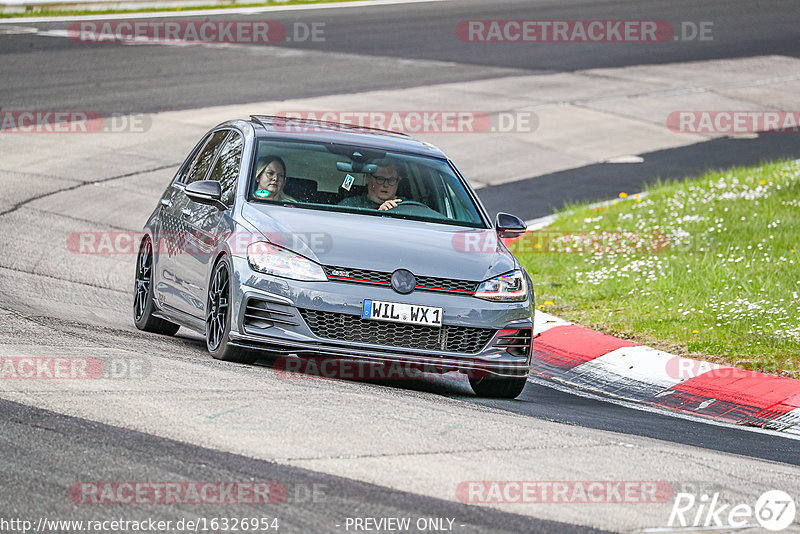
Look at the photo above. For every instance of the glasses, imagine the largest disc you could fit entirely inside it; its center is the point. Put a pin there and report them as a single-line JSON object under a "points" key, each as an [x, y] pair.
{"points": [[272, 174], [381, 180]]}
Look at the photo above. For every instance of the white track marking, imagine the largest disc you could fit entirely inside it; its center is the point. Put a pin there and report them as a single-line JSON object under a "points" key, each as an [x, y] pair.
{"points": [[543, 322], [586, 394]]}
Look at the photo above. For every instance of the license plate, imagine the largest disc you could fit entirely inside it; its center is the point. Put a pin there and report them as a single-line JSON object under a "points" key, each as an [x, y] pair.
{"points": [[398, 312]]}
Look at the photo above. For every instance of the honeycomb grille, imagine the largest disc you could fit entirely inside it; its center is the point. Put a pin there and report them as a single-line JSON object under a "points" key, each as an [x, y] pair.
{"points": [[343, 327], [445, 284], [424, 283], [358, 275]]}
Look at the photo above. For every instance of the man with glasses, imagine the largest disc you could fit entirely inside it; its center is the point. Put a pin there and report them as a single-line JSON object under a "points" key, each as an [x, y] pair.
{"points": [[381, 190]]}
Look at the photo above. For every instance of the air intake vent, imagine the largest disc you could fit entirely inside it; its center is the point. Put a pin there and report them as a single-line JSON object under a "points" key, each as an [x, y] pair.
{"points": [[260, 314], [517, 341]]}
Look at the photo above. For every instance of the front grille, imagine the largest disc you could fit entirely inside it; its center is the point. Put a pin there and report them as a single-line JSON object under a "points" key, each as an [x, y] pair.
{"points": [[445, 284], [358, 275], [343, 327], [424, 283]]}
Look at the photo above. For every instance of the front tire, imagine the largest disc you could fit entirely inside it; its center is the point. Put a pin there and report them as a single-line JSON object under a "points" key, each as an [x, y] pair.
{"points": [[143, 305], [498, 388], [218, 316]]}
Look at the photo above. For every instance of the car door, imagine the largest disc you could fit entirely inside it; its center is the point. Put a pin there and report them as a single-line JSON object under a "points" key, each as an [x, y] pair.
{"points": [[168, 235], [179, 291], [207, 226]]}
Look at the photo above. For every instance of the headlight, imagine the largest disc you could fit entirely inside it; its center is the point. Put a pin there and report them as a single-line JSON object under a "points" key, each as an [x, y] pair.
{"points": [[271, 259], [508, 287]]}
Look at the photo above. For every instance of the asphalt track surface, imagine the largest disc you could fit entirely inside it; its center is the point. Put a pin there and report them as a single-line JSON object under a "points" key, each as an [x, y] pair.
{"points": [[411, 45], [115, 78], [44, 452], [544, 194]]}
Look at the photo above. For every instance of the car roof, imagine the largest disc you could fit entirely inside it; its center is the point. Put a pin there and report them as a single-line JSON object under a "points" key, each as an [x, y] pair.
{"points": [[296, 129]]}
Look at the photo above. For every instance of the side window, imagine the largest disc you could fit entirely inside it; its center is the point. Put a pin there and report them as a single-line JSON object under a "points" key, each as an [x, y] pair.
{"points": [[197, 170], [189, 161], [226, 169]]}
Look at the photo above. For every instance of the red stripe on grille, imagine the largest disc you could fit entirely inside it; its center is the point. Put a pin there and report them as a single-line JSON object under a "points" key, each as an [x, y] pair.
{"points": [[360, 280], [443, 289]]}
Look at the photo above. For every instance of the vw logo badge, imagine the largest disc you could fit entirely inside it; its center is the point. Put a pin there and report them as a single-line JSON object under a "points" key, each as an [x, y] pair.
{"points": [[403, 281]]}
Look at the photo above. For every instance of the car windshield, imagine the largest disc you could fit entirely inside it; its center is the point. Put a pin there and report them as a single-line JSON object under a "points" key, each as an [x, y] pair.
{"points": [[360, 180]]}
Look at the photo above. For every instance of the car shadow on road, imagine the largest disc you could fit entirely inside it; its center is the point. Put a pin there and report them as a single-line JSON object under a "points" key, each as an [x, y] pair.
{"points": [[452, 384], [388, 375]]}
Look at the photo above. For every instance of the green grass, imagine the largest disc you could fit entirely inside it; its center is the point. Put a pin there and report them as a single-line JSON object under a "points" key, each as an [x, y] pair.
{"points": [[707, 268], [36, 12]]}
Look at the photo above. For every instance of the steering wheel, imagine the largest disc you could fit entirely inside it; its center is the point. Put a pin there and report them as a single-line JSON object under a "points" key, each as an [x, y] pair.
{"points": [[410, 203], [415, 208]]}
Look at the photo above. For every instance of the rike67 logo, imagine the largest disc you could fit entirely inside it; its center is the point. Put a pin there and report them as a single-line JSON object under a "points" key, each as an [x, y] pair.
{"points": [[774, 510]]}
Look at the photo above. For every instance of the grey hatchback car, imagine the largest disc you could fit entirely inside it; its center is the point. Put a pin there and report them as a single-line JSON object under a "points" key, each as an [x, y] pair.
{"points": [[306, 239]]}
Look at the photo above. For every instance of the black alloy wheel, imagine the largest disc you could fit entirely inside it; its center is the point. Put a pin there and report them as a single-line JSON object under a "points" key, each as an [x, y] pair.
{"points": [[218, 316], [143, 305]]}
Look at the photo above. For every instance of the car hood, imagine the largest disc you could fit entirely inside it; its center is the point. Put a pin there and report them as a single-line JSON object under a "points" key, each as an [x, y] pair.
{"points": [[383, 243]]}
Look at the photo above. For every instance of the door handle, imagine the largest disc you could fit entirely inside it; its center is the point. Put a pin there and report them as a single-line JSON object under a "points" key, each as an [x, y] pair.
{"points": [[186, 212]]}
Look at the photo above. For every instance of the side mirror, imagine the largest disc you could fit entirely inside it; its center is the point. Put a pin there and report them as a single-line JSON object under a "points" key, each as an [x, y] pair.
{"points": [[508, 225], [206, 192]]}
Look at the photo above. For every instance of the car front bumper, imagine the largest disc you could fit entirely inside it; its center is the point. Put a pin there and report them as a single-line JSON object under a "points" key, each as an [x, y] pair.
{"points": [[284, 330]]}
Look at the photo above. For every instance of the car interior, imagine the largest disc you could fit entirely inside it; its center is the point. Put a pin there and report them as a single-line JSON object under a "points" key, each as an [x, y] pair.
{"points": [[315, 176]]}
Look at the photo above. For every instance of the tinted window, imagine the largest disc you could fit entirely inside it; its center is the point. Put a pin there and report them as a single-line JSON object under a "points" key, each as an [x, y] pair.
{"points": [[226, 170], [197, 170]]}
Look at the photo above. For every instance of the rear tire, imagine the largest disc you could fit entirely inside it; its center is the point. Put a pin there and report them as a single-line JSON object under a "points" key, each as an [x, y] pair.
{"points": [[143, 305], [497, 387], [218, 316]]}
